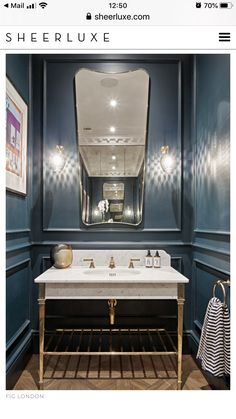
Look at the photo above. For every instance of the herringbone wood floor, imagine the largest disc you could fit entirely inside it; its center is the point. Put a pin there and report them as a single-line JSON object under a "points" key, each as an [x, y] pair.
{"points": [[112, 373]]}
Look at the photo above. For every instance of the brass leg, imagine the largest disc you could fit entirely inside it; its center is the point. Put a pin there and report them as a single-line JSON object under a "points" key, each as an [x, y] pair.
{"points": [[41, 302], [180, 302]]}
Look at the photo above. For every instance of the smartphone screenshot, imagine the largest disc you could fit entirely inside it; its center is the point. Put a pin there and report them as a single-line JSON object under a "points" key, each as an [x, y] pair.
{"points": [[117, 127]]}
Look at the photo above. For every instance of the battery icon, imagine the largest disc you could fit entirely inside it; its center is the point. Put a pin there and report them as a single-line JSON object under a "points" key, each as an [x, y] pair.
{"points": [[227, 5]]}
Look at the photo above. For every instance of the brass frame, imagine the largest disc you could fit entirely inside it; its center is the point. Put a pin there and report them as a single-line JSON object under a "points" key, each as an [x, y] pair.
{"points": [[180, 303], [177, 352], [41, 302]]}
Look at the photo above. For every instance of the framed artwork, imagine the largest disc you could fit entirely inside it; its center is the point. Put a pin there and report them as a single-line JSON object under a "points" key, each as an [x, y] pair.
{"points": [[16, 140]]}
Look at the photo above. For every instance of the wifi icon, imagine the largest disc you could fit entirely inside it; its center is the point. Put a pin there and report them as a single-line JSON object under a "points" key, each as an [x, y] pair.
{"points": [[43, 4]]}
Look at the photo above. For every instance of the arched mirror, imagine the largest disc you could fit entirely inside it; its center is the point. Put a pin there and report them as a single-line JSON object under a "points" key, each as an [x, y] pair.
{"points": [[112, 129]]}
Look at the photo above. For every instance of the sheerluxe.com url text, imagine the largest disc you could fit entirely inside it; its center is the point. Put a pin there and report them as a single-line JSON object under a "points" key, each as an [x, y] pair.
{"points": [[119, 16]]}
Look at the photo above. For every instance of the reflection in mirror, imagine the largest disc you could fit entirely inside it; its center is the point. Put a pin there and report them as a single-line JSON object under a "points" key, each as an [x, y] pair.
{"points": [[112, 124]]}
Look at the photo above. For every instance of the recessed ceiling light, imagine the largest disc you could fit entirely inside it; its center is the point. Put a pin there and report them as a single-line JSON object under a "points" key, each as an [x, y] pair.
{"points": [[113, 157], [113, 103], [112, 129], [113, 167]]}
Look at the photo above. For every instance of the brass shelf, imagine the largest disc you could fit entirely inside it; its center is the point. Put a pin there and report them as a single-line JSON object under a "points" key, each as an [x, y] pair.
{"points": [[121, 341]]}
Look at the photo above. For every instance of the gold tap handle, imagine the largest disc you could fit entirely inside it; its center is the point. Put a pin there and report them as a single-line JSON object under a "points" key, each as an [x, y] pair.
{"points": [[131, 265], [92, 265]]}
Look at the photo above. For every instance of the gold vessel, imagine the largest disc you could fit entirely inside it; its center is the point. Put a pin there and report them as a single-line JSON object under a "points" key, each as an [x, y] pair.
{"points": [[62, 255]]}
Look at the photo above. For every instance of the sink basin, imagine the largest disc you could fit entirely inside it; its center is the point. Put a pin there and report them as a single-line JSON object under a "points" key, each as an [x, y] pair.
{"points": [[112, 273]]}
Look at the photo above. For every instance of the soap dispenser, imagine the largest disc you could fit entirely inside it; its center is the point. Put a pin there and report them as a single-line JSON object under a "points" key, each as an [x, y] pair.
{"points": [[157, 260], [148, 260]]}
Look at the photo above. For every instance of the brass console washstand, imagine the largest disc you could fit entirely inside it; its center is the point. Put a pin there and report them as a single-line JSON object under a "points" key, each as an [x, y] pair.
{"points": [[47, 290]]}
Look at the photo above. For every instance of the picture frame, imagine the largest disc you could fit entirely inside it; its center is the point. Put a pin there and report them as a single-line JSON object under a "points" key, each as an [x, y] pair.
{"points": [[16, 141]]}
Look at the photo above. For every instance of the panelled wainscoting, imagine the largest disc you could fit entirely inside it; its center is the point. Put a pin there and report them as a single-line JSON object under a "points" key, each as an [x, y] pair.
{"points": [[19, 241], [186, 214], [211, 194]]}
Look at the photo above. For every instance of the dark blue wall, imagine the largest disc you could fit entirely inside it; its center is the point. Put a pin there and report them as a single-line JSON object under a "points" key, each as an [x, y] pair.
{"points": [[167, 217], [187, 213], [211, 194], [18, 244], [167, 80]]}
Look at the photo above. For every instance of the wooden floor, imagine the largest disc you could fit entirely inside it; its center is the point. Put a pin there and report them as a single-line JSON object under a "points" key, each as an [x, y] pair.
{"points": [[112, 373]]}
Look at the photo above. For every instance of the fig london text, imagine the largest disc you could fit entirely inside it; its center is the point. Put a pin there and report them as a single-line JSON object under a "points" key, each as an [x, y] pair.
{"points": [[57, 37]]}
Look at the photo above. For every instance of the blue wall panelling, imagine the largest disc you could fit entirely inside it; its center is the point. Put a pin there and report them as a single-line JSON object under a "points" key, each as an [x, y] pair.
{"points": [[211, 143], [18, 241]]}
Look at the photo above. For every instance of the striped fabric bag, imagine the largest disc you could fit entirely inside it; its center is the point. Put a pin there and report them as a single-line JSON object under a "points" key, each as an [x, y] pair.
{"points": [[214, 346]]}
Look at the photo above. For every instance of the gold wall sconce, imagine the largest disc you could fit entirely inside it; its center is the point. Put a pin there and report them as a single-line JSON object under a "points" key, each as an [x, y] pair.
{"points": [[167, 161], [58, 159]]}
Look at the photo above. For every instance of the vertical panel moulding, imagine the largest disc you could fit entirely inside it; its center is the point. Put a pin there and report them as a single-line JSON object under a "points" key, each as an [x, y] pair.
{"points": [[43, 147], [194, 137], [180, 143]]}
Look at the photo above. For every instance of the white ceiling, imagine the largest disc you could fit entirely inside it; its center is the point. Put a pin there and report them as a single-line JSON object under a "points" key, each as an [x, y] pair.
{"points": [[98, 160]]}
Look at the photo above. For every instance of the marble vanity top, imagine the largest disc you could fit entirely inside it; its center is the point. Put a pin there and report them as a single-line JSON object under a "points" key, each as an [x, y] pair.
{"points": [[103, 274]]}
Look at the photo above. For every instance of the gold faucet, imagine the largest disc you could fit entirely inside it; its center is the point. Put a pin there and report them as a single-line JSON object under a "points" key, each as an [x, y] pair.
{"points": [[112, 263], [112, 304], [131, 265], [91, 265]]}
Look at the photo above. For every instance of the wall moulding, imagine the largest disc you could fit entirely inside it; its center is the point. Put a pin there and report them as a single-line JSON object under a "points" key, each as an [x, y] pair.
{"points": [[18, 334], [214, 232], [116, 245], [175, 63], [19, 231], [18, 266], [212, 270], [211, 249], [113, 230], [208, 265], [18, 249]]}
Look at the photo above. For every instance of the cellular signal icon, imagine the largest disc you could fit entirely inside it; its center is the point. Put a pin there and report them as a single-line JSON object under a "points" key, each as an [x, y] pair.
{"points": [[31, 6], [43, 4]]}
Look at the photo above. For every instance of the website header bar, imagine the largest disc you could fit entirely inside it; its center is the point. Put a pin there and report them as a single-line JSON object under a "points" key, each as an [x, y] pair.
{"points": [[111, 38]]}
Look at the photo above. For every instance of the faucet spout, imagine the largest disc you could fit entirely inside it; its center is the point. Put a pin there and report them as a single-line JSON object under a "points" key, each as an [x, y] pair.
{"points": [[112, 263]]}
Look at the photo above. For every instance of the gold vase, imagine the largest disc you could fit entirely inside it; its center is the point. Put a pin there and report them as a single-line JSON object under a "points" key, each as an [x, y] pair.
{"points": [[62, 255]]}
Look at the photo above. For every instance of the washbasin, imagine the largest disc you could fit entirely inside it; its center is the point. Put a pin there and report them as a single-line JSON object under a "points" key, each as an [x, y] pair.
{"points": [[117, 272]]}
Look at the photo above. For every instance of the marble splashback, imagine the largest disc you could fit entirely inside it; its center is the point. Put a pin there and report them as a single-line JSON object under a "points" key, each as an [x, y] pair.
{"points": [[121, 257]]}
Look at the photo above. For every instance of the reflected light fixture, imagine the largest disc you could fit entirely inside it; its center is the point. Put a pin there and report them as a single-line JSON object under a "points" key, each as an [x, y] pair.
{"points": [[167, 160], [58, 159], [112, 129], [113, 103], [113, 167], [128, 211], [113, 157]]}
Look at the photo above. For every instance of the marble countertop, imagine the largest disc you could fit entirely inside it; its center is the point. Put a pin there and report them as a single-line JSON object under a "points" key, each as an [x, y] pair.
{"points": [[103, 274]]}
